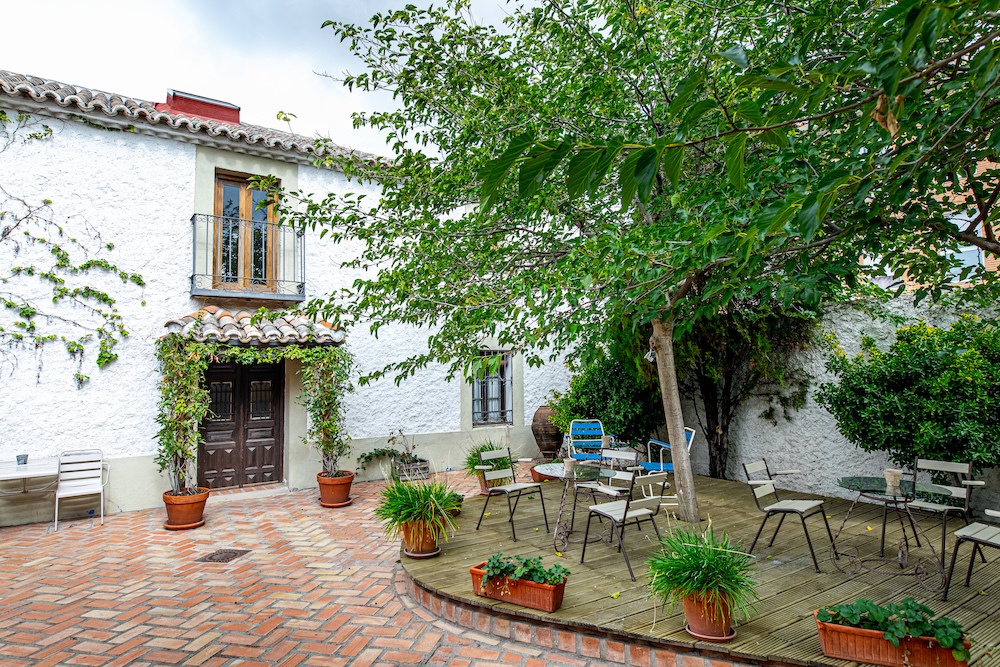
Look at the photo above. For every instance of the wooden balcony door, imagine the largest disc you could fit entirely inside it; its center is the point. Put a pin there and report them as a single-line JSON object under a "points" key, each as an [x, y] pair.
{"points": [[243, 433]]}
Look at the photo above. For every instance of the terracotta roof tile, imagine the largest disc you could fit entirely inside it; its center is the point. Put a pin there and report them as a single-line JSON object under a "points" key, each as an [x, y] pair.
{"points": [[47, 91], [206, 326]]}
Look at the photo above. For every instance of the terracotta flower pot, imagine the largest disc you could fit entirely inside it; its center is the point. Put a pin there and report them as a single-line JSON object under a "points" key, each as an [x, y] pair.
{"points": [[185, 511], [484, 489], [539, 477], [335, 491], [706, 622], [544, 597], [548, 437], [871, 647], [419, 541]]}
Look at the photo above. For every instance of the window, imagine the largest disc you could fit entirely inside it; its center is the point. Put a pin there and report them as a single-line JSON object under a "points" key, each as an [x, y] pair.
{"points": [[493, 392], [245, 245]]}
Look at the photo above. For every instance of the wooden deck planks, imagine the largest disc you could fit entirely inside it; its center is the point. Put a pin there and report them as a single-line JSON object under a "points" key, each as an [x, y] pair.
{"points": [[782, 629]]}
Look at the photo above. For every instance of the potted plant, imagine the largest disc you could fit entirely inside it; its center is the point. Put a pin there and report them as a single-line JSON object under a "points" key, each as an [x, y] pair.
{"points": [[472, 462], [408, 465], [324, 382], [420, 513], [893, 635], [184, 403], [710, 576], [521, 581]]}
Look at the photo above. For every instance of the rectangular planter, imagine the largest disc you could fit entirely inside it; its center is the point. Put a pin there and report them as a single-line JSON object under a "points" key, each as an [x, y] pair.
{"points": [[544, 597], [420, 469], [872, 648]]}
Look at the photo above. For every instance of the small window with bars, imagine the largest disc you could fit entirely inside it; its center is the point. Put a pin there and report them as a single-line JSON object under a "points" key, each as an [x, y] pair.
{"points": [[493, 392]]}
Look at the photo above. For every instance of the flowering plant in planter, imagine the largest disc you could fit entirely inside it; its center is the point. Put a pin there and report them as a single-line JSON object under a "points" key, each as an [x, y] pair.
{"points": [[521, 581], [907, 625]]}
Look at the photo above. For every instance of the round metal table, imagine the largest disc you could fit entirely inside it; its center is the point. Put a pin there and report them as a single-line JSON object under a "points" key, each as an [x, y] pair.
{"points": [[582, 472]]}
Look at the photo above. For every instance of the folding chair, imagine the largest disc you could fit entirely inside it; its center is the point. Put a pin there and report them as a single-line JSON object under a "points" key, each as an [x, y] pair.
{"points": [[652, 464], [981, 535], [81, 473], [586, 439], [801, 508], [962, 475], [513, 490], [622, 512]]}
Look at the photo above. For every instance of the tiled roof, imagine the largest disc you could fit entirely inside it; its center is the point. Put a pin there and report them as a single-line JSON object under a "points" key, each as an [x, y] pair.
{"points": [[212, 324], [86, 100]]}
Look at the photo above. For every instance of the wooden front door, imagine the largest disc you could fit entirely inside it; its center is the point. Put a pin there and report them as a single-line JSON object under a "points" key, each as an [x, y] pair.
{"points": [[243, 433]]}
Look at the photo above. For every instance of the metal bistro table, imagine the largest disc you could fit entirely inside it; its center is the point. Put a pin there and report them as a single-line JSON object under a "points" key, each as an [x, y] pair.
{"points": [[582, 472], [874, 489], [34, 468]]}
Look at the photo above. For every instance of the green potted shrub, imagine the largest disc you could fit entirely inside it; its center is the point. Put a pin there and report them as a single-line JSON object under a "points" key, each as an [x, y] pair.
{"points": [[893, 635], [324, 383], [710, 576], [521, 581], [420, 512], [472, 462]]}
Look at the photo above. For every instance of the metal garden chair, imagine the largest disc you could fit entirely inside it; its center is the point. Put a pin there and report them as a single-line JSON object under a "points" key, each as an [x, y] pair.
{"points": [[513, 490], [962, 475], [586, 439], [657, 464], [980, 535], [81, 473]]}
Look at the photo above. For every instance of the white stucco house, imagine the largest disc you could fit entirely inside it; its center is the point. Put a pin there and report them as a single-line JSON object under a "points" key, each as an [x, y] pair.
{"points": [[165, 185]]}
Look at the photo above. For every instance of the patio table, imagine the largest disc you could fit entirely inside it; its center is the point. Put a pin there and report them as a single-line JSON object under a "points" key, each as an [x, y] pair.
{"points": [[582, 472], [875, 489], [34, 468]]}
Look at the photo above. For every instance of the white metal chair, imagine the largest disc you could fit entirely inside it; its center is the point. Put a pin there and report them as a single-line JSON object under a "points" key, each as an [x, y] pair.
{"points": [[628, 510], [82, 472], [801, 508], [962, 474], [981, 535], [654, 464], [513, 490], [586, 439]]}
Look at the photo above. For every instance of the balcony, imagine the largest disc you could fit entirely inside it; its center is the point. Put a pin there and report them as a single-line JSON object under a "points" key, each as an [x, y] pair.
{"points": [[247, 259]]}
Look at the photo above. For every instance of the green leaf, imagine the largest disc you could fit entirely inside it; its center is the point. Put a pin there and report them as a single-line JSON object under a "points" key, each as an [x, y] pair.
{"points": [[736, 55], [913, 31], [672, 160], [581, 169], [612, 151], [750, 110], [496, 171], [645, 170], [536, 169], [734, 160], [626, 177]]}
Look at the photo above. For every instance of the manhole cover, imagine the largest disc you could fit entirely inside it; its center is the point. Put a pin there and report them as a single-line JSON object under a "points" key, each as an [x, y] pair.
{"points": [[223, 555]]}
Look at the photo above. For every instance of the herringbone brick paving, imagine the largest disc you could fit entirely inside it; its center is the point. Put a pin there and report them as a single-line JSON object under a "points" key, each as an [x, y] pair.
{"points": [[320, 587]]}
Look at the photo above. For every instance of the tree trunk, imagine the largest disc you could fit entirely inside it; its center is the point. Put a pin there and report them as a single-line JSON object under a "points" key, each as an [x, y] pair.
{"points": [[662, 343]]}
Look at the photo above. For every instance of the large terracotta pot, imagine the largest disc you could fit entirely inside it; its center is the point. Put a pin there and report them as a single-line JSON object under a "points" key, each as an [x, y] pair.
{"points": [[548, 437], [871, 647], [419, 541], [335, 491], [706, 622], [185, 512], [544, 597]]}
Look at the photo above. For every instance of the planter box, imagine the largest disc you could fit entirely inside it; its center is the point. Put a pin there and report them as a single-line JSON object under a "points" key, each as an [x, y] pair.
{"points": [[544, 597], [420, 469], [871, 647]]}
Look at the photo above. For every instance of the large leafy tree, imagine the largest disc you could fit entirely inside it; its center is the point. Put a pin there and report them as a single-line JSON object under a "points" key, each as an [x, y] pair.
{"points": [[754, 151]]}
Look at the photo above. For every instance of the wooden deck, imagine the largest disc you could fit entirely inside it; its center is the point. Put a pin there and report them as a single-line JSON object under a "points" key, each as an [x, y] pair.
{"points": [[782, 629]]}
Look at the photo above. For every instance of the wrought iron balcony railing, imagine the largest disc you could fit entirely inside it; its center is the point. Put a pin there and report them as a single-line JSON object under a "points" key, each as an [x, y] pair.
{"points": [[252, 259]]}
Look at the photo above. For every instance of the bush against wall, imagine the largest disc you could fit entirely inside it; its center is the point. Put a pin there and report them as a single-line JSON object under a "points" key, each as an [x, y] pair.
{"points": [[935, 393], [606, 390]]}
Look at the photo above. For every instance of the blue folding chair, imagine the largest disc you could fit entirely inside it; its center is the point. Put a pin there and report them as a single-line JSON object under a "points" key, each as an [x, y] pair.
{"points": [[585, 439], [652, 465]]}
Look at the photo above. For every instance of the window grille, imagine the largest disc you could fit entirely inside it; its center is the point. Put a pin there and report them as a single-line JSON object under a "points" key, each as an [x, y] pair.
{"points": [[493, 393]]}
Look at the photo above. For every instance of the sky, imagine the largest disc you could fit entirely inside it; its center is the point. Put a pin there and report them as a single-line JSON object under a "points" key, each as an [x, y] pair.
{"points": [[261, 55]]}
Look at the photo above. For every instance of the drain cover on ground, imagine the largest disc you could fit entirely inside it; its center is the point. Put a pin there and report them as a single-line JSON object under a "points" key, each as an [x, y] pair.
{"points": [[223, 555]]}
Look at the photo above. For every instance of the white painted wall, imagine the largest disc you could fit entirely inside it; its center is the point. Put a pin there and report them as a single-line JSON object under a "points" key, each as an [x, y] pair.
{"points": [[810, 441]]}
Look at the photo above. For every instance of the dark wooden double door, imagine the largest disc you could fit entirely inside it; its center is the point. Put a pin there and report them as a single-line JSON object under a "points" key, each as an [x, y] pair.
{"points": [[243, 442]]}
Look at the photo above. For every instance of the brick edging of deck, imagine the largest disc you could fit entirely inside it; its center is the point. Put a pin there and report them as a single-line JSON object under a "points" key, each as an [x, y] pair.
{"points": [[610, 646]]}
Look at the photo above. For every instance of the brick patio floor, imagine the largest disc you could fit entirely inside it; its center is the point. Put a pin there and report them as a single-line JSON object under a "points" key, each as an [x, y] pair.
{"points": [[320, 587]]}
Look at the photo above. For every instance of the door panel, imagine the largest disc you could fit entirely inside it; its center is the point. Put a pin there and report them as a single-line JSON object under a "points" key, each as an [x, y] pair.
{"points": [[243, 434]]}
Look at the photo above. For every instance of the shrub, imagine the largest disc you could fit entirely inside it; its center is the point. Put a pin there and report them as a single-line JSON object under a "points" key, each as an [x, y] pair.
{"points": [[935, 393], [519, 567]]}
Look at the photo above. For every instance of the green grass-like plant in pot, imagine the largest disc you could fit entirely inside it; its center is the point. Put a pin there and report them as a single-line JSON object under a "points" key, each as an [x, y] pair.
{"points": [[472, 460], [419, 512], [711, 576]]}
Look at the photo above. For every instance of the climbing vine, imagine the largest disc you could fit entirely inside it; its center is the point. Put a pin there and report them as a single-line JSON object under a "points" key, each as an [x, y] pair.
{"points": [[38, 248], [185, 401]]}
